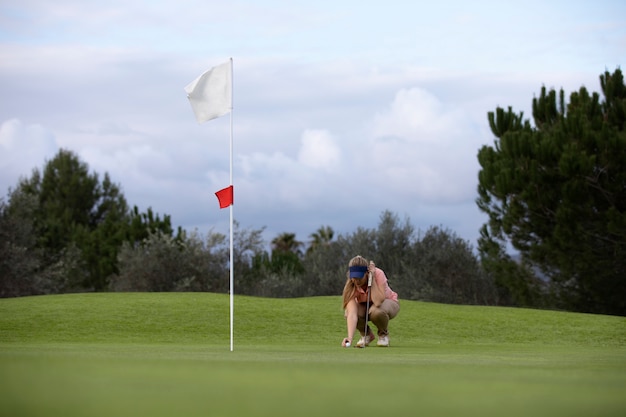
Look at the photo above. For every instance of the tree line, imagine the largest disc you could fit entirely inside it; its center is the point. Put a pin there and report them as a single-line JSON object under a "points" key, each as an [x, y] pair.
{"points": [[555, 191], [65, 230]]}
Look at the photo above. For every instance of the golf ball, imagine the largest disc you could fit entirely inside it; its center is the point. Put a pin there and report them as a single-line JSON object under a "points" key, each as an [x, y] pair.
{"points": [[347, 344]]}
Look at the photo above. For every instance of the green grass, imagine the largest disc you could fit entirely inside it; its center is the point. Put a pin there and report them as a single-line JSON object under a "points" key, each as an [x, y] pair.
{"points": [[168, 354]]}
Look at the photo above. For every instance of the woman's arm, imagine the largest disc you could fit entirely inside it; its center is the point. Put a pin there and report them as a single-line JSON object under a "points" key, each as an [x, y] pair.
{"points": [[378, 284], [351, 321]]}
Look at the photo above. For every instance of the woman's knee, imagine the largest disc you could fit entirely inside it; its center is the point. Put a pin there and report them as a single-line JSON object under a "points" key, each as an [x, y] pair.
{"points": [[392, 308], [377, 313]]}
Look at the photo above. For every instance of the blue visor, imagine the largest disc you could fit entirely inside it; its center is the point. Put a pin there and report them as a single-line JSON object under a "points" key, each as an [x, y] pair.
{"points": [[357, 271]]}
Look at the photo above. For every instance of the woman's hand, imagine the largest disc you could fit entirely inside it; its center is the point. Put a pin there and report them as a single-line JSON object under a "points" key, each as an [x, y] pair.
{"points": [[346, 342], [372, 267]]}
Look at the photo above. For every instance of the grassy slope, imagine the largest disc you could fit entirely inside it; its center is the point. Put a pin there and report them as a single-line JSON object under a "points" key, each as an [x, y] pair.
{"points": [[168, 353]]}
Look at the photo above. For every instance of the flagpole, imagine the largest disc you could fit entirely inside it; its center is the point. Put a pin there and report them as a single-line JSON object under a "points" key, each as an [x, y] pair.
{"points": [[207, 95], [232, 265]]}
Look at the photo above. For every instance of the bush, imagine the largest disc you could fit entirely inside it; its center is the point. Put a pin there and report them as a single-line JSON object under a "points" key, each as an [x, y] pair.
{"points": [[164, 263]]}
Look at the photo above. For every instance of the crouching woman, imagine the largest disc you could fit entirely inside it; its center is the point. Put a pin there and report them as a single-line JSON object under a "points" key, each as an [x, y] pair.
{"points": [[383, 303]]}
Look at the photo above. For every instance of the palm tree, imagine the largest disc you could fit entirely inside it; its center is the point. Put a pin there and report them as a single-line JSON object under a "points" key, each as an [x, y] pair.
{"points": [[286, 242], [322, 237]]}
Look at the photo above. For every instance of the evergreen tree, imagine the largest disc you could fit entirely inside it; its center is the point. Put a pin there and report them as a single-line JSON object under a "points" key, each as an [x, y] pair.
{"points": [[80, 223], [19, 257], [556, 192], [75, 209]]}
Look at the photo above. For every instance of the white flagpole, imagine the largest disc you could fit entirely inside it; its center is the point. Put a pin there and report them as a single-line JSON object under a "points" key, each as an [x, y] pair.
{"points": [[207, 97], [232, 266]]}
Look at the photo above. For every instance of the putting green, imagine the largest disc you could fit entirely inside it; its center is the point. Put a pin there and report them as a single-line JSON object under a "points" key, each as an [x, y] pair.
{"points": [[164, 354]]}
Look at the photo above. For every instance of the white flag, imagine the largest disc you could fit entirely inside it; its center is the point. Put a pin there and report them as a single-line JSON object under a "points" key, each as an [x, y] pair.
{"points": [[211, 93]]}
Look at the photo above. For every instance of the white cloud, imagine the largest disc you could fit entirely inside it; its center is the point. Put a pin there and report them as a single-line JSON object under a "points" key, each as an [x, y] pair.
{"points": [[425, 149], [268, 181], [23, 148], [415, 115], [319, 151]]}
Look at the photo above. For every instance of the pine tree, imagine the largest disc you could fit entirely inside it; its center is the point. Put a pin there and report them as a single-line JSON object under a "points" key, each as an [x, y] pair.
{"points": [[77, 215], [556, 192]]}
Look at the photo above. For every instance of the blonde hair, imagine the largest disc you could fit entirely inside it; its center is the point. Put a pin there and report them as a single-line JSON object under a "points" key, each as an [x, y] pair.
{"points": [[349, 289], [358, 261]]}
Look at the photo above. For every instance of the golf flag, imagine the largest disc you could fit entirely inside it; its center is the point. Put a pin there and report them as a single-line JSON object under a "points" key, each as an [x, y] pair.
{"points": [[211, 93], [211, 96], [225, 196]]}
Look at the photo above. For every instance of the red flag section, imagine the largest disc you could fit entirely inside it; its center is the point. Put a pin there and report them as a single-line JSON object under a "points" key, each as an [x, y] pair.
{"points": [[225, 196]]}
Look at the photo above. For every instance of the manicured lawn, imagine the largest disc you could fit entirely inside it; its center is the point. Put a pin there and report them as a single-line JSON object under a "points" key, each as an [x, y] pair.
{"points": [[167, 354]]}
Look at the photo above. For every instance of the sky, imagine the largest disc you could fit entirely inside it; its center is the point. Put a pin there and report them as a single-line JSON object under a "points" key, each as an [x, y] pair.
{"points": [[342, 109]]}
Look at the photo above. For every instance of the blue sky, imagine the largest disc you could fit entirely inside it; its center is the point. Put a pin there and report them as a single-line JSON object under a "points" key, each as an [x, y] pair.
{"points": [[342, 109]]}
